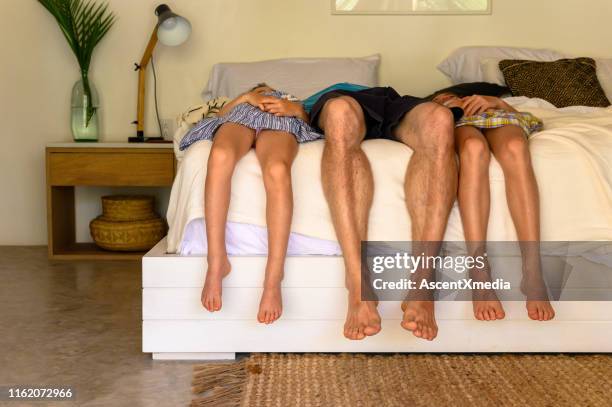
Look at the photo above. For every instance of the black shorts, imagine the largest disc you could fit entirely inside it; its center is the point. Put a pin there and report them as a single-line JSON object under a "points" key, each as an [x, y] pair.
{"points": [[383, 109]]}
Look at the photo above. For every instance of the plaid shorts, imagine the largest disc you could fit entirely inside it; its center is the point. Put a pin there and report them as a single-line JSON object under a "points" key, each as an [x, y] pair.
{"points": [[494, 119]]}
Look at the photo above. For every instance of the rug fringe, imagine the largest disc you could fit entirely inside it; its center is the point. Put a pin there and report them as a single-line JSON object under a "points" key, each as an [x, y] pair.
{"points": [[223, 382]]}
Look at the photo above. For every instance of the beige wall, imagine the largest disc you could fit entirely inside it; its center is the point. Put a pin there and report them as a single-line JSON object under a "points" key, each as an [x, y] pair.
{"points": [[38, 70]]}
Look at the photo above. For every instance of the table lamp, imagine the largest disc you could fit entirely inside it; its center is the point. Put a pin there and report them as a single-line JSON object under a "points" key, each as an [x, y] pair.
{"points": [[171, 30]]}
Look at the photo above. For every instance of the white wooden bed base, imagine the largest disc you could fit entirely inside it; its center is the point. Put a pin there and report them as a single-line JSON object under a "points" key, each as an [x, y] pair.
{"points": [[175, 326]]}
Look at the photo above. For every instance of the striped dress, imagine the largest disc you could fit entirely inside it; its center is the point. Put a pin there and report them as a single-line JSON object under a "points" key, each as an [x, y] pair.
{"points": [[254, 118]]}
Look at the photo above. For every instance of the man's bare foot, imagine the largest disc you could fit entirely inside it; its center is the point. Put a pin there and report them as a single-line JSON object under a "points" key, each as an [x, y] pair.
{"points": [[487, 306], [271, 305], [538, 305], [362, 319], [419, 318], [211, 293]]}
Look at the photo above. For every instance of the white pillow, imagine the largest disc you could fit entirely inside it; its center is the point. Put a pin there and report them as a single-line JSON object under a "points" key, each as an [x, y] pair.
{"points": [[301, 77], [464, 64], [491, 72], [604, 75]]}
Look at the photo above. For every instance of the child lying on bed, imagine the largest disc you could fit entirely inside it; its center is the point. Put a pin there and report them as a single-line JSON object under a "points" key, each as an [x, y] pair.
{"points": [[273, 123], [490, 125]]}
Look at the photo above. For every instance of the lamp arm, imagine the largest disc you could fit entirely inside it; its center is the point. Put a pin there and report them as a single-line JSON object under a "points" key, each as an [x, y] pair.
{"points": [[142, 69]]}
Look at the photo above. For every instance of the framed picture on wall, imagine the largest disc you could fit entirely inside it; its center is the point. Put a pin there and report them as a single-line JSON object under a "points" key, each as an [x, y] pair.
{"points": [[411, 6]]}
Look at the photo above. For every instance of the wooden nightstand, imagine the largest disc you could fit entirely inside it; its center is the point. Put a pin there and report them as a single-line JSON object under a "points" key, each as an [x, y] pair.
{"points": [[97, 164]]}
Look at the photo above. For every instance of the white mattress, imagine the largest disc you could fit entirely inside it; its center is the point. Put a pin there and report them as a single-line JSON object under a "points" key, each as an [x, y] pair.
{"points": [[245, 239], [572, 160]]}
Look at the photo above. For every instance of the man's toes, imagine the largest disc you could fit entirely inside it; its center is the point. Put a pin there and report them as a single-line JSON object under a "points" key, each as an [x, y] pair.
{"points": [[418, 331], [360, 333], [431, 334], [500, 314], [409, 325], [372, 329], [426, 333], [347, 333], [434, 333], [350, 332]]}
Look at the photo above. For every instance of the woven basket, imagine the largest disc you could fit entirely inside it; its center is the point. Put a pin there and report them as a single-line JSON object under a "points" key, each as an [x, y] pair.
{"points": [[128, 208], [137, 235]]}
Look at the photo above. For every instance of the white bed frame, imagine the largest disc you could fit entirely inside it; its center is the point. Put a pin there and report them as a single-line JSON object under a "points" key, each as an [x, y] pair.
{"points": [[175, 326]]}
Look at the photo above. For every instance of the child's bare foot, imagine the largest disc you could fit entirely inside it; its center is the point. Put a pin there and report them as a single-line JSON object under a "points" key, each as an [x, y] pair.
{"points": [[271, 305], [211, 293], [487, 306], [419, 318], [362, 319], [538, 305]]}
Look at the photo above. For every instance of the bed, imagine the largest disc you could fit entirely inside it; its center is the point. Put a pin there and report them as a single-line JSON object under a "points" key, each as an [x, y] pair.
{"points": [[572, 159]]}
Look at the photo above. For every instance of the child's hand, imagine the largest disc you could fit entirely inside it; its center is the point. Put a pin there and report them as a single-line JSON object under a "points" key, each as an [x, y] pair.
{"points": [[477, 104], [280, 107], [256, 99]]}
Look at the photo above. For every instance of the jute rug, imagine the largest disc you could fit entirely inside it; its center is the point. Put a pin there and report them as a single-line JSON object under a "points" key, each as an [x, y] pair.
{"points": [[311, 380]]}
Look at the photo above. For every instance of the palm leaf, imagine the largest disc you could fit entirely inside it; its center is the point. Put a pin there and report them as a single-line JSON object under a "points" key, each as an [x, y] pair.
{"points": [[83, 23]]}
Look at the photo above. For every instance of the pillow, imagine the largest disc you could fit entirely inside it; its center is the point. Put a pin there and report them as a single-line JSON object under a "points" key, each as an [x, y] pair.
{"points": [[301, 77], [491, 72], [566, 82], [463, 64], [604, 74]]}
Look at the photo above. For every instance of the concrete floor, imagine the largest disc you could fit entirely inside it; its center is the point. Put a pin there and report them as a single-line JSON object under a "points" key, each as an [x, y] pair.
{"points": [[79, 325]]}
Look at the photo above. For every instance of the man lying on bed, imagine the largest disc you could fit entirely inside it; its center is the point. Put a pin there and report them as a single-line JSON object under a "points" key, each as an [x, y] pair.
{"points": [[347, 117]]}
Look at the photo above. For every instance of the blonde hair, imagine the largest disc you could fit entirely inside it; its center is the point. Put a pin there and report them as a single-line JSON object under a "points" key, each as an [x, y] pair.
{"points": [[260, 85]]}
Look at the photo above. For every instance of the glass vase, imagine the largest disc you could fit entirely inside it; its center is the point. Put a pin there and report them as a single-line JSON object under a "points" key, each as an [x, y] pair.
{"points": [[84, 111]]}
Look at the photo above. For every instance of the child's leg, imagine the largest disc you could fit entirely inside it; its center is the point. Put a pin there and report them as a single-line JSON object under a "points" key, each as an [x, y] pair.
{"points": [[474, 205], [231, 143], [511, 149], [276, 151]]}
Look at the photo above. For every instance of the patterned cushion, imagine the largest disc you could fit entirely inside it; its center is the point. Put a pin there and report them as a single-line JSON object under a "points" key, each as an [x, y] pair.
{"points": [[566, 82]]}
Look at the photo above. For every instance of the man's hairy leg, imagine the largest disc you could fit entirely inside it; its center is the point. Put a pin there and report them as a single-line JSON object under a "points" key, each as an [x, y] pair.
{"points": [[348, 187], [430, 188]]}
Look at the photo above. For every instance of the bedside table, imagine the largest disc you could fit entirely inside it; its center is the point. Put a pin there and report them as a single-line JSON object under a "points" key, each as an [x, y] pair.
{"points": [[102, 165]]}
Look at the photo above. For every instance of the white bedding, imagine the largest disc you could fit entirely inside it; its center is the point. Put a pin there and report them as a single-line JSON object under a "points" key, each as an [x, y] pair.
{"points": [[244, 239], [572, 160]]}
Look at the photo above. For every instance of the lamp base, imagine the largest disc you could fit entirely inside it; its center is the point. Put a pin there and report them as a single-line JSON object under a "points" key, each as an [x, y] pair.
{"points": [[142, 139]]}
